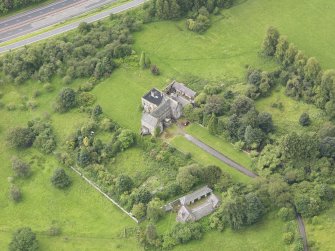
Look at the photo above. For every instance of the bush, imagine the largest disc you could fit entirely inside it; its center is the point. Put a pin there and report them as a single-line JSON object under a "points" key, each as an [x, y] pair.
{"points": [[15, 193], [288, 238], [66, 100], [304, 119], [24, 239], [139, 211], [286, 214], [155, 70], [20, 168], [20, 137], [60, 179]]}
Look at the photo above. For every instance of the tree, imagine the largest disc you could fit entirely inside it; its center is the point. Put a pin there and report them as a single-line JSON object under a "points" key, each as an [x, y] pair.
{"points": [[270, 42], [123, 184], [265, 122], [20, 168], [20, 137], [212, 125], [142, 60], [142, 196], [304, 119], [281, 48], [15, 193], [126, 138], [312, 70], [233, 209], [139, 211], [327, 147], [290, 54], [211, 175], [84, 157], [24, 239], [188, 177], [242, 105], [216, 104], [66, 100], [155, 210], [97, 110], [60, 179], [254, 208], [253, 137]]}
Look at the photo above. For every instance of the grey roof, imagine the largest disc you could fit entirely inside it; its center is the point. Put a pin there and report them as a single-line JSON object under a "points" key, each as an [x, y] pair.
{"points": [[195, 195], [183, 214], [149, 119], [162, 109], [154, 96], [182, 88], [202, 210]]}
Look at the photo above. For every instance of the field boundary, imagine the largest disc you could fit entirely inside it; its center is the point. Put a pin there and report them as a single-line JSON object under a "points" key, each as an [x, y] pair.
{"points": [[104, 194]]}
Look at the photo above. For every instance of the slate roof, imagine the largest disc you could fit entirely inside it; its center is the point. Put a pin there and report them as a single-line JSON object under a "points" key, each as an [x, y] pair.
{"points": [[202, 210], [195, 195], [162, 109], [149, 119], [154, 96], [182, 88]]}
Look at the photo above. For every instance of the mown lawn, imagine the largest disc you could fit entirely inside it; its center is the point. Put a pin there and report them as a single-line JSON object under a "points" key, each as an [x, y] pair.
{"points": [[220, 144], [205, 158]]}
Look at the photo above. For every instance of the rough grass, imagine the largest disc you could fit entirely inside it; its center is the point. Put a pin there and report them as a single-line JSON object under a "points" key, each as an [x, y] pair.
{"points": [[88, 221], [321, 233], [288, 116]]}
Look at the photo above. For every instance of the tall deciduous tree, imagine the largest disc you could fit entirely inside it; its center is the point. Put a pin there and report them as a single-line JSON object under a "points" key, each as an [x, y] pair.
{"points": [[270, 41]]}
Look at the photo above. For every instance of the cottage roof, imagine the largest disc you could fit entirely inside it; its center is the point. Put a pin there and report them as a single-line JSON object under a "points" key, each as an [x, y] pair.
{"points": [[202, 210], [182, 88], [154, 96], [195, 195], [183, 214], [149, 119]]}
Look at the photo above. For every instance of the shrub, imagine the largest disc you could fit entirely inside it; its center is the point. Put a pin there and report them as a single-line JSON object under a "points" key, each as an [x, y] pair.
{"points": [[24, 239], [66, 100], [304, 119], [20, 168], [288, 238], [139, 211], [48, 87], [60, 179], [15, 193], [155, 70], [286, 214]]}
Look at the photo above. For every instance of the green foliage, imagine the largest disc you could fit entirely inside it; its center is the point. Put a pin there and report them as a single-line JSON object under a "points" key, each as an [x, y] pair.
{"points": [[6, 6], [123, 184], [139, 211], [126, 139], [155, 210], [20, 137], [270, 42], [60, 179], [304, 119], [288, 238], [20, 168], [213, 125], [24, 239], [15, 193], [66, 100]]}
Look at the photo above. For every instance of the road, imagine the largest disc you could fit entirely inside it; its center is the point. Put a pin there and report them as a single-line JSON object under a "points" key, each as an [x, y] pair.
{"points": [[247, 172], [44, 16], [220, 156], [65, 28]]}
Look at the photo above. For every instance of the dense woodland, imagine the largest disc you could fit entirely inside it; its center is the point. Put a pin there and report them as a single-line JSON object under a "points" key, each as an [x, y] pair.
{"points": [[8, 5]]}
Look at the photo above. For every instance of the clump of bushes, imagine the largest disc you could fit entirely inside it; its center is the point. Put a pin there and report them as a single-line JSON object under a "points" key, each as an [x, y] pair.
{"points": [[60, 179]]}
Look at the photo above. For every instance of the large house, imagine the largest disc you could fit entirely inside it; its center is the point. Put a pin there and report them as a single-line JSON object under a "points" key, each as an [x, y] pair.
{"points": [[159, 108]]}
